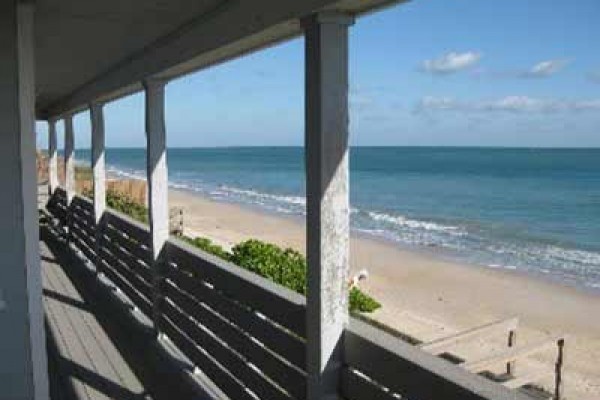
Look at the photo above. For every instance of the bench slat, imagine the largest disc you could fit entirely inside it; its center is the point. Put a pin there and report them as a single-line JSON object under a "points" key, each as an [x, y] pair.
{"points": [[281, 372], [223, 379], [278, 303], [281, 342]]}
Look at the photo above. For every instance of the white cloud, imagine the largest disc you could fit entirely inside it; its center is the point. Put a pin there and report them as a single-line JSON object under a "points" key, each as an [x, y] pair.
{"points": [[509, 104], [451, 62], [545, 69]]}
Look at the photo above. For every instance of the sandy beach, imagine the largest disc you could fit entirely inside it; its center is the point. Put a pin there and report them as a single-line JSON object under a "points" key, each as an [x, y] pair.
{"points": [[427, 297]]}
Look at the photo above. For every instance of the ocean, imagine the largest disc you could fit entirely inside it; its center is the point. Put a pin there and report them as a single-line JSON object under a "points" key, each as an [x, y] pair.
{"points": [[531, 210]]}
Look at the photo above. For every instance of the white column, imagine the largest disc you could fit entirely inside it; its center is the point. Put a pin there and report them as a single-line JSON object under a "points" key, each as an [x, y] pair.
{"points": [[99, 174], [156, 159], [327, 220], [52, 158], [98, 164], [23, 364], [69, 159]]}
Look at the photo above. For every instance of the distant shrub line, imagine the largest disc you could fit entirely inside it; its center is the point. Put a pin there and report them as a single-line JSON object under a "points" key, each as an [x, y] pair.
{"points": [[286, 267]]}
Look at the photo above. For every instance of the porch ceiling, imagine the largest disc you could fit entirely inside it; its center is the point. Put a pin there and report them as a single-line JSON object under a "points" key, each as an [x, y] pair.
{"points": [[100, 50]]}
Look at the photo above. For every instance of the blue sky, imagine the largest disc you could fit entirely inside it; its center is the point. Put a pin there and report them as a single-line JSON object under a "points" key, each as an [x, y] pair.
{"points": [[427, 72]]}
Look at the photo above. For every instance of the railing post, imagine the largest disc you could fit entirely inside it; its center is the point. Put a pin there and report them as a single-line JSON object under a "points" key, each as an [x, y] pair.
{"points": [[558, 370], [99, 174], [156, 159], [69, 162], [327, 220], [512, 342], [52, 158]]}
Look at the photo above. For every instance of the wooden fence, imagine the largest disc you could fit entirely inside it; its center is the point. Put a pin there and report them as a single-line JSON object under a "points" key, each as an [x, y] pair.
{"points": [[245, 333]]}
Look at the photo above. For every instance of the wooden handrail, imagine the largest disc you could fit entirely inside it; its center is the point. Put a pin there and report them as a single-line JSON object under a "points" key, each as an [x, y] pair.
{"points": [[444, 344], [511, 354]]}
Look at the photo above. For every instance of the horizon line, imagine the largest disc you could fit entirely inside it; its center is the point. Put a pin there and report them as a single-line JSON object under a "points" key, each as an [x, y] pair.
{"points": [[362, 146]]}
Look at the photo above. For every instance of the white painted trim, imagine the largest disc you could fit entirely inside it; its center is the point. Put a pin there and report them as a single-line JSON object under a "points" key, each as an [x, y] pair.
{"points": [[98, 159], [52, 158], [69, 160], [157, 178]]}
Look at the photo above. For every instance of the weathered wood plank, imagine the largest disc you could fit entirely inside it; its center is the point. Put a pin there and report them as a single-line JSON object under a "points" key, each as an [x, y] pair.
{"points": [[276, 302], [221, 377], [355, 387], [83, 247], [87, 355], [441, 345], [412, 372], [286, 376], [63, 334], [80, 215], [134, 229], [84, 203], [118, 379], [108, 350], [139, 300], [281, 342], [137, 249], [511, 354], [88, 330], [525, 379], [130, 260], [82, 235], [237, 366], [134, 280]]}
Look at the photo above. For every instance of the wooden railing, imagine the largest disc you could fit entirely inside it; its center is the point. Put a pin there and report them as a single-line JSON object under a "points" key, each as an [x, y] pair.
{"points": [[245, 333]]}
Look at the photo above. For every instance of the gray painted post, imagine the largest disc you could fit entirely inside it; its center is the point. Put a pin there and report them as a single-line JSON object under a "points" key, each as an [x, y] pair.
{"points": [[69, 159], [99, 174], [156, 159], [52, 158], [327, 220], [69, 162], [23, 364]]}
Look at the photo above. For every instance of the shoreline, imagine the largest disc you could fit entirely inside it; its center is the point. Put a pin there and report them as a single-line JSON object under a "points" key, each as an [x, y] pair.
{"points": [[426, 296], [433, 252]]}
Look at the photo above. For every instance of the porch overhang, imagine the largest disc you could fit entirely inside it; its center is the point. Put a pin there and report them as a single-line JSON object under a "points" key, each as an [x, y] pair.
{"points": [[88, 50]]}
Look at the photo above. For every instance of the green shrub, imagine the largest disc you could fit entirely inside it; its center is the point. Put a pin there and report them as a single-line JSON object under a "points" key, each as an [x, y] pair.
{"points": [[362, 302], [122, 203], [208, 246], [286, 267]]}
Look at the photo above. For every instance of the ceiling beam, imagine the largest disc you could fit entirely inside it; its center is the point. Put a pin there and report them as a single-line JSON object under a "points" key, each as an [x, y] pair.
{"points": [[232, 28]]}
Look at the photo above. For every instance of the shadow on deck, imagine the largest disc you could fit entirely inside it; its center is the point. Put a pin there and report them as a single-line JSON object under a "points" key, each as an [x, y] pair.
{"points": [[95, 350]]}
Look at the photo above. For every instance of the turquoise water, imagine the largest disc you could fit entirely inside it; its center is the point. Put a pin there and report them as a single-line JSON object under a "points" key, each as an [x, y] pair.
{"points": [[535, 210]]}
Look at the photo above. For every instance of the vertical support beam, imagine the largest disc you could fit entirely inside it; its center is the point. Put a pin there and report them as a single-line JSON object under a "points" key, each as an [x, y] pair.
{"points": [[52, 158], [23, 364], [327, 223], [156, 159], [69, 160], [99, 172]]}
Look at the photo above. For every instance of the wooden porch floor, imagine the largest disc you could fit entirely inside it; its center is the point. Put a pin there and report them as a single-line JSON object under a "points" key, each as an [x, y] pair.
{"points": [[92, 352]]}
